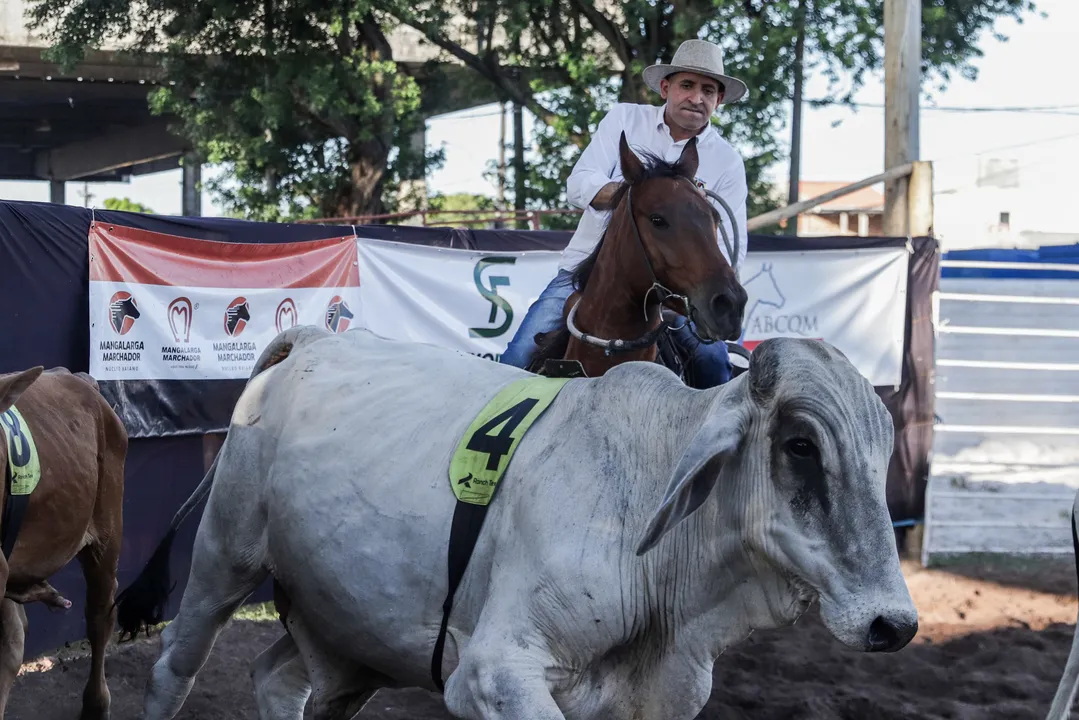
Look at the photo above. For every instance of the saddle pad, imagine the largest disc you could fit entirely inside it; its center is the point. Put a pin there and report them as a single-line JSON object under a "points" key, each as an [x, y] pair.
{"points": [[485, 450], [24, 465]]}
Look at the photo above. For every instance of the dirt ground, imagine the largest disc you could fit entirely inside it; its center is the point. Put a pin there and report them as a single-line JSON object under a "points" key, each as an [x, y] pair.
{"points": [[992, 643]]}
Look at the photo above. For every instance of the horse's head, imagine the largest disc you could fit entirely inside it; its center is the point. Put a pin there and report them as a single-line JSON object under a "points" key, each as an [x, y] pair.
{"points": [[677, 227]]}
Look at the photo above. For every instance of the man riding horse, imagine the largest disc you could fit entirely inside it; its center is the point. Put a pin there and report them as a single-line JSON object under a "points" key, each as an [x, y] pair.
{"points": [[693, 86]]}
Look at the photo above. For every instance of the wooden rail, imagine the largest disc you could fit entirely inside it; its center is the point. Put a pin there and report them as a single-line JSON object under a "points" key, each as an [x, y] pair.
{"points": [[920, 210], [785, 213]]}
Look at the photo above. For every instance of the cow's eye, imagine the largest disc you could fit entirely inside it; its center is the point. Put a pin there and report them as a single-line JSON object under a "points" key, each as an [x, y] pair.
{"points": [[801, 448], [658, 221]]}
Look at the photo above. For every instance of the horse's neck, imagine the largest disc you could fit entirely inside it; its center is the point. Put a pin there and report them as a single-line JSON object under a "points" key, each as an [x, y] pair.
{"points": [[612, 303]]}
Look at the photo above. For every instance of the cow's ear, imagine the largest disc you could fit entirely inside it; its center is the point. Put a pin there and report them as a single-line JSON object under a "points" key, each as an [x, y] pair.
{"points": [[13, 385], [697, 471]]}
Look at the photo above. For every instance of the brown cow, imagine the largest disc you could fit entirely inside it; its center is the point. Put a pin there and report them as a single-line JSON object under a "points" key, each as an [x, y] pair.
{"points": [[76, 510]]}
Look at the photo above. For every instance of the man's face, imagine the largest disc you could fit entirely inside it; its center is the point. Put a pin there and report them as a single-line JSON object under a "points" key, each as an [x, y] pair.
{"points": [[691, 99]]}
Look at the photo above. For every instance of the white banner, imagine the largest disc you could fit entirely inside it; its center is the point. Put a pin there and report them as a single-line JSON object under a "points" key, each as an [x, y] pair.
{"points": [[853, 299], [475, 301], [462, 299]]}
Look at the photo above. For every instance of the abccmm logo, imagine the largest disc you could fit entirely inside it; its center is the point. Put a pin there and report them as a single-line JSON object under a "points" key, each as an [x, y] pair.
{"points": [[123, 312], [180, 315]]}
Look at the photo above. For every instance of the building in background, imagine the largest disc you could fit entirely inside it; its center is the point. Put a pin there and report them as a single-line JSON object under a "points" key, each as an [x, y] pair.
{"points": [[858, 214]]}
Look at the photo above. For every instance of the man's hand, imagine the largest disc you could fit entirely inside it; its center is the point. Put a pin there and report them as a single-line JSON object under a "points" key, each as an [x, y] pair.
{"points": [[602, 200]]}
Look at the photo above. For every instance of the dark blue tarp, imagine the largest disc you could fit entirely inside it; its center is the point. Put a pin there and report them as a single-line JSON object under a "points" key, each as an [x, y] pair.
{"points": [[1056, 254]]}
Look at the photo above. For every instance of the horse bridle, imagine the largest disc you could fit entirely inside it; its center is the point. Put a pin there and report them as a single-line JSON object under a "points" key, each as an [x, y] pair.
{"points": [[619, 345]]}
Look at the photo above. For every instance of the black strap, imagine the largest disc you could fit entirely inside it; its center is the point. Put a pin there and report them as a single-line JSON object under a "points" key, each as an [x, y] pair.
{"points": [[14, 512], [465, 530]]}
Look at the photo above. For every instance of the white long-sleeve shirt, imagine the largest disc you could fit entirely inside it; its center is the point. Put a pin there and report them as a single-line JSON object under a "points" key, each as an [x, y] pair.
{"points": [[721, 169]]}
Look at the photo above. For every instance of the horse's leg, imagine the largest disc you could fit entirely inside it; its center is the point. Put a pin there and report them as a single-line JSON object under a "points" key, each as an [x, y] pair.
{"points": [[12, 637], [99, 562]]}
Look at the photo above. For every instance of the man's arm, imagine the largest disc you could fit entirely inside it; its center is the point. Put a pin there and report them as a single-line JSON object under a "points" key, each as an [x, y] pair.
{"points": [[596, 174]]}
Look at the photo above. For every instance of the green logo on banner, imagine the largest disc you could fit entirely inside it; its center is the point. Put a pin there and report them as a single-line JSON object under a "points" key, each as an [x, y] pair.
{"points": [[492, 296]]}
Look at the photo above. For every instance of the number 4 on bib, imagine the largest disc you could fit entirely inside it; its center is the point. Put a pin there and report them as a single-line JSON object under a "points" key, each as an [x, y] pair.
{"points": [[484, 452]]}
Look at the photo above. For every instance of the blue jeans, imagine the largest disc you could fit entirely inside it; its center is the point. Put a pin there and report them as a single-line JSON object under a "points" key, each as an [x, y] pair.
{"points": [[709, 363]]}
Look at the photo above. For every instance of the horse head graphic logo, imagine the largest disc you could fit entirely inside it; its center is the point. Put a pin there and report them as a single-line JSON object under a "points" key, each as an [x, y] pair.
{"points": [[338, 315], [764, 288], [237, 315], [123, 312]]}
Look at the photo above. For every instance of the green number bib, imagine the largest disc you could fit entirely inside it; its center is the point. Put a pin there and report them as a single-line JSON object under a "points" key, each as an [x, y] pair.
{"points": [[490, 441], [22, 459]]}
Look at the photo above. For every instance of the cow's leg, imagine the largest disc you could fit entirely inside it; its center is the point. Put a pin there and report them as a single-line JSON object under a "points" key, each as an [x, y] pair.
{"points": [[216, 587], [488, 685], [227, 565], [340, 687], [495, 678], [43, 592], [280, 679], [99, 563], [12, 636]]}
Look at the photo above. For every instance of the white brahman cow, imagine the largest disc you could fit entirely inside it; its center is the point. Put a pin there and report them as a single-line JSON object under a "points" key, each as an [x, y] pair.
{"points": [[640, 529]]}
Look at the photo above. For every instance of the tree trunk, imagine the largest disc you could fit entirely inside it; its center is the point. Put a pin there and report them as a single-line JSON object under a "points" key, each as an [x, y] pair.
{"points": [[363, 196], [519, 169], [635, 91]]}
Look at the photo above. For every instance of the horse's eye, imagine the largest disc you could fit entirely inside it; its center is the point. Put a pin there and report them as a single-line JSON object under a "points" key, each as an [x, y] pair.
{"points": [[801, 448], [657, 220]]}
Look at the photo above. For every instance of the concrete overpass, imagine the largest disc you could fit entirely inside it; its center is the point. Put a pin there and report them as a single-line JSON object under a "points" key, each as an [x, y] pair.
{"points": [[94, 123]]}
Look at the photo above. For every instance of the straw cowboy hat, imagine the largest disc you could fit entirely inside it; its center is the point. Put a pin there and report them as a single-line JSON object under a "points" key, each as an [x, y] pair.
{"points": [[701, 57]]}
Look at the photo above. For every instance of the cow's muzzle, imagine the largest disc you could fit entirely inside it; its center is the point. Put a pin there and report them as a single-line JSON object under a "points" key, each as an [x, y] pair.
{"points": [[888, 634]]}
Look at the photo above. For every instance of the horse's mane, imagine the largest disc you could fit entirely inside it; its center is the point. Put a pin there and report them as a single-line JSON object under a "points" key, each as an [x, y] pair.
{"points": [[552, 345]]}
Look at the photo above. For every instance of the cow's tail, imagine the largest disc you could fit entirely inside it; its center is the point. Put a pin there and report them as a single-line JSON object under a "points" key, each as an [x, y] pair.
{"points": [[1069, 682], [143, 603]]}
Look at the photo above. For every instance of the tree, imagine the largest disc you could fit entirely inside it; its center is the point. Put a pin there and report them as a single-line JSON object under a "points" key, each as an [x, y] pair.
{"points": [[301, 102], [126, 205], [592, 56]]}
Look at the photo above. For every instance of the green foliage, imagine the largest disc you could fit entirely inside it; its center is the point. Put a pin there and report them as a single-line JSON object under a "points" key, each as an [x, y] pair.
{"points": [[304, 105], [301, 102], [575, 49], [126, 205], [461, 202]]}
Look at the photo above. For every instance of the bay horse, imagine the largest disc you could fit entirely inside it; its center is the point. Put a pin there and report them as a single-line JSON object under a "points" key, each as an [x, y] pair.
{"points": [[659, 246], [74, 510]]}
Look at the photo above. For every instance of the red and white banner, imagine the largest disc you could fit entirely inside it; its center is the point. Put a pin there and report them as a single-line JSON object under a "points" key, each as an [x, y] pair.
{"points": [[164, 307]]}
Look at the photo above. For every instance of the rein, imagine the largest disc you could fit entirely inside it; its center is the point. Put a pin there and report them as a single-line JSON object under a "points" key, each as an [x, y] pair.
{"points": [[649, 338]]}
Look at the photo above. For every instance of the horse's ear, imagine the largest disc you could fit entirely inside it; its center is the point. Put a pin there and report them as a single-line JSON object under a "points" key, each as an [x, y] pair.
{"points": [[689, 159], [632, 169]]}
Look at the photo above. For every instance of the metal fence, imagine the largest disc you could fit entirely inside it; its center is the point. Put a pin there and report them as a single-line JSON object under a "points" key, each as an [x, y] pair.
{"points": [[1006, 453]]}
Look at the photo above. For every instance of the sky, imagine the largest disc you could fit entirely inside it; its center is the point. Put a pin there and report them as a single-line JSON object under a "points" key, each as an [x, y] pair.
{"points": [[1030, 70]]}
